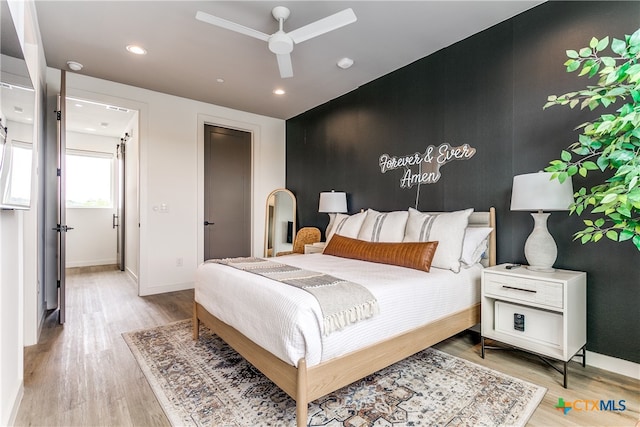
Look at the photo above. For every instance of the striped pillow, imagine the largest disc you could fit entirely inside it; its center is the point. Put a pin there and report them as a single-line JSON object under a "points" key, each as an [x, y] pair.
{"points": [[447, 228], [383, 227], [347, 225]]}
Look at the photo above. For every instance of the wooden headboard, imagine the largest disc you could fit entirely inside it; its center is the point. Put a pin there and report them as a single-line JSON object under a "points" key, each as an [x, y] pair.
{"points": [[486, 219]]}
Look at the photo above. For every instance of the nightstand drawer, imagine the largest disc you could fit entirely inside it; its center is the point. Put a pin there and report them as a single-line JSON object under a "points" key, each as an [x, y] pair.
{"points": [[535, 325], [525, 290]]}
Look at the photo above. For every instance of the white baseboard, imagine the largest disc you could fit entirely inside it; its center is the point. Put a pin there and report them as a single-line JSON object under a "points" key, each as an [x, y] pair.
{"points": [[613, 364], [131, 274], [16, 405], [42, 317], [163, 289], [90, 263]]}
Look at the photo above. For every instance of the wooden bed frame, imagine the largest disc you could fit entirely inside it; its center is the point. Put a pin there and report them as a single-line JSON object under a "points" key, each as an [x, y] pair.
{"points": [[307, 383]]}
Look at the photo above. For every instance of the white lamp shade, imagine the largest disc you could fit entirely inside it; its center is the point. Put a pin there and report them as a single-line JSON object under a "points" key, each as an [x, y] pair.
{"points": [[333, 202], [538, 192]]}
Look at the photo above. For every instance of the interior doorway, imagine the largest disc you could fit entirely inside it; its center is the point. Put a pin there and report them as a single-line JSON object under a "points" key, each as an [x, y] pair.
{"points": [[105, 197], [227, 192], [90, 125]]}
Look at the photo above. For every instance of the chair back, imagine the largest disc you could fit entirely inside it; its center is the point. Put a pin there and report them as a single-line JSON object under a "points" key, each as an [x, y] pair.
{"points": [[305, 236]]}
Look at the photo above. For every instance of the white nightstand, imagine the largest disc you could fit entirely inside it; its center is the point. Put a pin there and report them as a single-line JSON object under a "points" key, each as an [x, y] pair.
{"points": [[314, 248], [544, 313]]}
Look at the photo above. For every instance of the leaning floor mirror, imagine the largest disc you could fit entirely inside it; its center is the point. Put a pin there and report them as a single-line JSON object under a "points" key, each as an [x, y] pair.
{"points": [[17, 107], [280, 227]]}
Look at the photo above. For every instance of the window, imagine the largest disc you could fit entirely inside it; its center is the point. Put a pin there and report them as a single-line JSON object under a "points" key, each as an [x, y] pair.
{"points": [[17, 175], [89, 178]]}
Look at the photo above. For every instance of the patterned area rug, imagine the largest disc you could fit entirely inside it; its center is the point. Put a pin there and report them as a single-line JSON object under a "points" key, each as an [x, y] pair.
{"points": [[206, 383]]}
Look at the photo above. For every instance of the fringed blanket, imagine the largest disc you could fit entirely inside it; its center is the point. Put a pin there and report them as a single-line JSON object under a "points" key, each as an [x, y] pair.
{"points": [[342, 302]]}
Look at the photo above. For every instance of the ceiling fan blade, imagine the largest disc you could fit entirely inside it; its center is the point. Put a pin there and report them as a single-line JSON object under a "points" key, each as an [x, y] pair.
{"points": [[324, 25], [223, 23], [284, 64]]}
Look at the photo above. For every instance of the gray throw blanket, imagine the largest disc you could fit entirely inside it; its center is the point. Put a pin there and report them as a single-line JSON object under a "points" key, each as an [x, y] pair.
{"points": [[342, 302]]}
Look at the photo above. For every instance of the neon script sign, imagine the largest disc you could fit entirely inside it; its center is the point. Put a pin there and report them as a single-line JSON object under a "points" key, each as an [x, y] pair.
{"points": [[424, 168]]}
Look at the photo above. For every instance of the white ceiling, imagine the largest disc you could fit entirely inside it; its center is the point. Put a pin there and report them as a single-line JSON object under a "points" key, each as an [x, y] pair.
{"points": [[186, 57]]}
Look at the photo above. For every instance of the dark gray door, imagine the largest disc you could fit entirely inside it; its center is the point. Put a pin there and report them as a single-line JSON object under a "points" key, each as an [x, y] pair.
{"points": [[61, 226], [227, 198]]}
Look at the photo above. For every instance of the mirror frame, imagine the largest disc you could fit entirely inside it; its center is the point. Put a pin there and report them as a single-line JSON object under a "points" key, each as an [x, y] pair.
{"points": [[266, 223]]}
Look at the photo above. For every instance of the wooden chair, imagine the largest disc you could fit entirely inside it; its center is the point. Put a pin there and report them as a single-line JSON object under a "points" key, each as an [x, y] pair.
{"points": [[304, 236]]}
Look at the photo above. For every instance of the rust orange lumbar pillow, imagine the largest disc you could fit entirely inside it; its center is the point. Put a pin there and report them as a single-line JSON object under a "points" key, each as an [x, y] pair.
{"points": [[416, 255]]}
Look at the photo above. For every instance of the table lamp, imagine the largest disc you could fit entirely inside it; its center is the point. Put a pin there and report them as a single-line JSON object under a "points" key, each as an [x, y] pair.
{"points": [[537, 192], [332, 202]]}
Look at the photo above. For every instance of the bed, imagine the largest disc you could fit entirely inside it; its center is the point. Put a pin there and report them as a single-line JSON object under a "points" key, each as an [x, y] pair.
{"points": [[254, 314]]}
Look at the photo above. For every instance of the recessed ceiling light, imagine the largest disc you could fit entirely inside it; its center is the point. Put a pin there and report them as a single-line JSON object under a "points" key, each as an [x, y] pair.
{"points": [[279, 91], [138, 50], [345, 63], [74, 66], [220, 80]]}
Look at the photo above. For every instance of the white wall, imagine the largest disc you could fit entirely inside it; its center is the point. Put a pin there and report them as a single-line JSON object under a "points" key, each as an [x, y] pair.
{"points": [[132, 201], [92, 240], [21, 297], [17, 277], [170, 149], [11, 314]]}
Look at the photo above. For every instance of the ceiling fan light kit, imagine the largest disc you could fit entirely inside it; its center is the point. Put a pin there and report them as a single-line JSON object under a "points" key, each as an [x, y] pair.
{"points": [[280, 42]]}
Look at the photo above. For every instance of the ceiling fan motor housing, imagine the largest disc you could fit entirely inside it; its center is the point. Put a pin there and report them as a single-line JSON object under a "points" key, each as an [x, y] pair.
{"points": [[280, 43]]}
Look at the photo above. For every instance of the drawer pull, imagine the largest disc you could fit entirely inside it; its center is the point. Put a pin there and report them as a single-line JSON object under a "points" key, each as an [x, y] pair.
{"points": [[519, 289]]}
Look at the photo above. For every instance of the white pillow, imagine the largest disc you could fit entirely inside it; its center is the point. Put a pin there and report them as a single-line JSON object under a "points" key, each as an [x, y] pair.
{"points": [[447, 228], [347, 225], [475, 244], [383, 227]]}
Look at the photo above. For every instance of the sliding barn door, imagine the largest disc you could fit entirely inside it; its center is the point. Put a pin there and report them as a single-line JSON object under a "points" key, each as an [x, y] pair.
{"points": [[119, 219]]}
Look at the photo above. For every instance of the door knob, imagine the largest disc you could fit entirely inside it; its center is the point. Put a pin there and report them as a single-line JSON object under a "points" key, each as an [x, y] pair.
{"points": [[208, 223]]}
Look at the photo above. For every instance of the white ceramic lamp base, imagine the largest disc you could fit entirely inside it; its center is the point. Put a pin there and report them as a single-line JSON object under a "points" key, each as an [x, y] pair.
{"points": [[332, 218], [540, 249]]}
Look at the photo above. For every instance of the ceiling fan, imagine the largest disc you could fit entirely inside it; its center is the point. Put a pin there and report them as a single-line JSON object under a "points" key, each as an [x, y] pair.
{"points": [[281, 43]]}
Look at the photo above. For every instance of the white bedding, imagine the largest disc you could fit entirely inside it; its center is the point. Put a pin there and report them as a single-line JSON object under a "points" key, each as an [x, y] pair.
{"points": [[286, 320]]}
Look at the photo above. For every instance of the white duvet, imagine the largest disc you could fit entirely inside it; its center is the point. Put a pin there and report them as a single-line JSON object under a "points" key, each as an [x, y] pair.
{"points": [[287, 321]]}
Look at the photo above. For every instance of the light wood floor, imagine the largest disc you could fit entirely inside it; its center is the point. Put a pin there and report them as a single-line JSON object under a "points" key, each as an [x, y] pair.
{"points": [[591, 384], [83, 373]]}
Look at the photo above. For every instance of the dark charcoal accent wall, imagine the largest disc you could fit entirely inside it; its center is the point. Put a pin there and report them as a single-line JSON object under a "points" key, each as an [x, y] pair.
{"points": [[486, 91]]}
